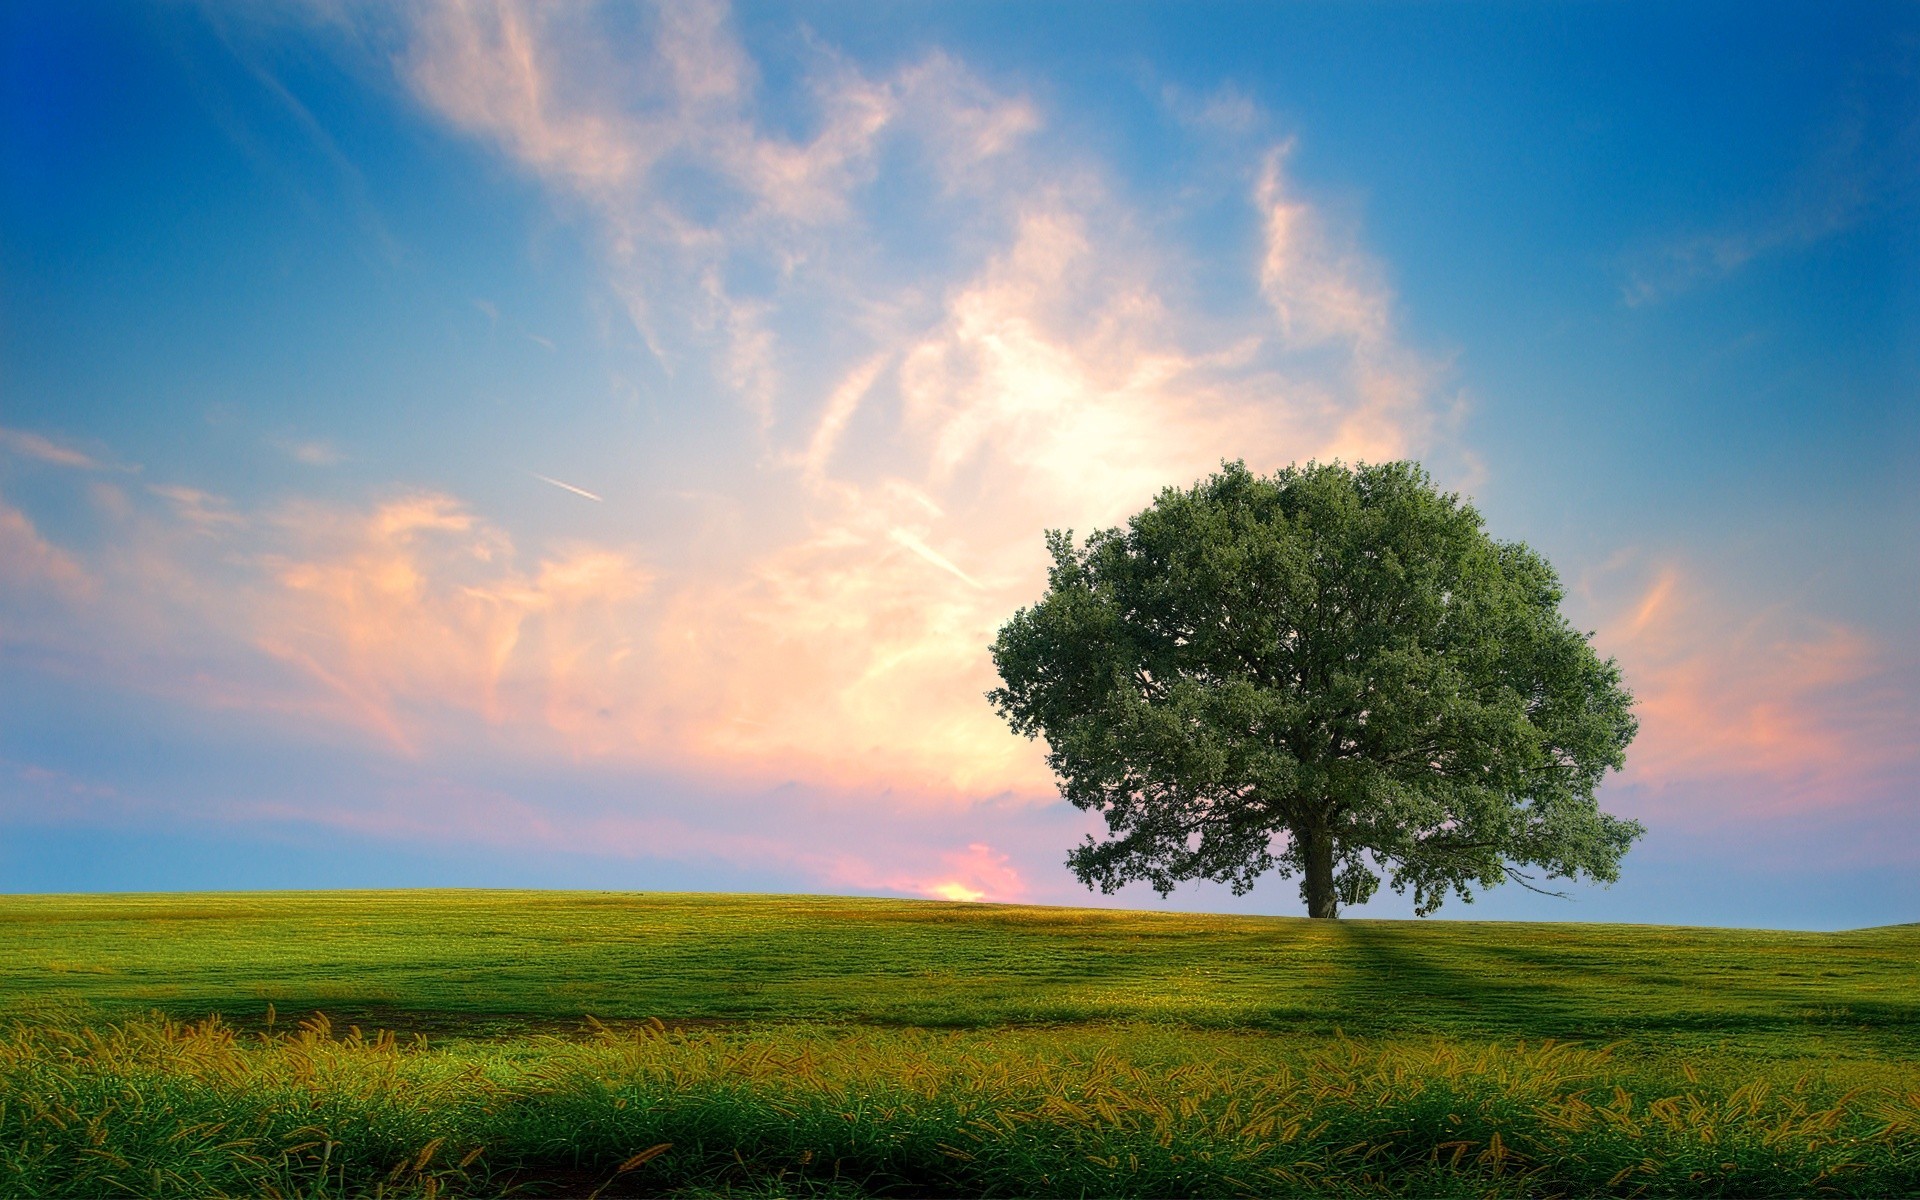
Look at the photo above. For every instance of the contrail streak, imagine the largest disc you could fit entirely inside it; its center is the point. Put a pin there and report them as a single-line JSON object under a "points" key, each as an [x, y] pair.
{"points": [[576, 491], [931, 555]]}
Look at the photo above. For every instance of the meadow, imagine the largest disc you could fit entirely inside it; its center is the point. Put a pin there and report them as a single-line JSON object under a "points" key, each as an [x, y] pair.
{"points": [[486, 1043]]}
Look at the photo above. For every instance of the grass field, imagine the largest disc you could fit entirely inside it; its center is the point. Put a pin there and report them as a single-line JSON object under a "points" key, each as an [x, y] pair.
{"points": [[168, 1045]]}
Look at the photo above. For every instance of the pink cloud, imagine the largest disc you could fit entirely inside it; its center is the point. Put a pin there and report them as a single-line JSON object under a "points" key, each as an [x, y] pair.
{"points": [[1043, 370], [29, 562], [46, 450], [41, 793], [419, 608], [1788, 713], [978, 873], [1052, 384], [840, 841], [201, 509]]}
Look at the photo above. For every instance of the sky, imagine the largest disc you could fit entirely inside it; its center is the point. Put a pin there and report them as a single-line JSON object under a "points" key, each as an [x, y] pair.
{"points": [[473, 444]]}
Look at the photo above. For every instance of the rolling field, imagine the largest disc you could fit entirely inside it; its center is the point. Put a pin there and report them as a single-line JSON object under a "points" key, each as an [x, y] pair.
{"points": [[537, 1043]]}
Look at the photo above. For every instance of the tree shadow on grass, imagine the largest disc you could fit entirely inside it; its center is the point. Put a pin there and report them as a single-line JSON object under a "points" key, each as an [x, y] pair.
{"points": [[1497, 988], [1398, 987]]}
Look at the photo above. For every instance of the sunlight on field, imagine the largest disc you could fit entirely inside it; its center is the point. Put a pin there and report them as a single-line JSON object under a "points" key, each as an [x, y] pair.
{"points": [[511, 960], [160, 1109], [426, 1044]]}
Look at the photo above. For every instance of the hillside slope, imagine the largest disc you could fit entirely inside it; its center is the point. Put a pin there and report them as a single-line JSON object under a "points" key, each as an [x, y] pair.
{"points": [[480, 961]]}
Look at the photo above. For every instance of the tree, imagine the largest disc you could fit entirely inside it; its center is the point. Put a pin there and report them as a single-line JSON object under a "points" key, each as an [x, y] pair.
{"points": [[1330, 672]]}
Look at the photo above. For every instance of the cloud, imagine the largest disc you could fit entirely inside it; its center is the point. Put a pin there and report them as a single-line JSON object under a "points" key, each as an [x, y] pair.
{"points": [[418, 610], [46, 450], [1227, 108], [312, 452], [922, 415], [1320, 291], [847, 663], [202, 510], [978, 873], [1779, 713], [787, 836], [839, 411], [981, 873], [28, 562], [1689, 261], [656, 138], [948, 328], [1835, 188], [34, 792]]}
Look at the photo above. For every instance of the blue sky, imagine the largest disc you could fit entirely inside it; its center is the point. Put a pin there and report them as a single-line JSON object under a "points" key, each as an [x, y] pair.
{"points": [[826, 311]]}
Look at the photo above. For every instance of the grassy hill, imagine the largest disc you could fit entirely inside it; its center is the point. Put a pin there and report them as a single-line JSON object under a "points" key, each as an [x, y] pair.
{"points": [[615, 1044], [457, 961]]}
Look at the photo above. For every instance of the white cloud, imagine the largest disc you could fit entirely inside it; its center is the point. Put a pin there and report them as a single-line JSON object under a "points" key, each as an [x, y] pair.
{"points": [[951, 330], [312, 452]]}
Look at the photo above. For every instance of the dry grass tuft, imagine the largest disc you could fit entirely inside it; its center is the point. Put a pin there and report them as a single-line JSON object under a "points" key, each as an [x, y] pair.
{"points": [[153, 1107]]}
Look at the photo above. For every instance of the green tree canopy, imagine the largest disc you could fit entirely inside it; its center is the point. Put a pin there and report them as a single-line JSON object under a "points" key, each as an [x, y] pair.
{"points": [[1331, 672]]}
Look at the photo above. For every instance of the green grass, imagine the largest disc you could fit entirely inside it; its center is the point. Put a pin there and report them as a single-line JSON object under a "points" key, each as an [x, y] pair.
{"points": [[799, 1045], [505, 960]]}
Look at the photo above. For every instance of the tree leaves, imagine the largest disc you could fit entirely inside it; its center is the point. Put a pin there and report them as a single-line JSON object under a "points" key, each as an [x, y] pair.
{"points": [[1333, 652]]}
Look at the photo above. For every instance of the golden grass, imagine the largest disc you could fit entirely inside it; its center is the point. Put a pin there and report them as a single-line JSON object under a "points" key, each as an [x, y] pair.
{"points": [[152, 1107]]}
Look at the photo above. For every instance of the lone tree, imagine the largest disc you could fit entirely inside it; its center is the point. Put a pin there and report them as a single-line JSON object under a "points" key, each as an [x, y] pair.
{"points": [[1328, 672]]}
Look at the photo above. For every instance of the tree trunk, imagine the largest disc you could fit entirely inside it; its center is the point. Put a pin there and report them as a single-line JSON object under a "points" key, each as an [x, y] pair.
{"points": [[1316, 886]]}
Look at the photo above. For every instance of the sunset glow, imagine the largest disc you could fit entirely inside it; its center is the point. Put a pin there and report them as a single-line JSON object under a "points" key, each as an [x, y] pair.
{"points": [[599, 443]]}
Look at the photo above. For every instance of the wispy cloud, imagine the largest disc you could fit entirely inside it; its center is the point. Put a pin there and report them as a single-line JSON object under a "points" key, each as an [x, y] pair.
{"points": [[847, 663], [922, 417], [1782, 712], [916, 418], [1687, 262], [312, 452], [29, 561], [1225, 108], [418, 611], [203, 510], [46, 450], [1834, 189]]}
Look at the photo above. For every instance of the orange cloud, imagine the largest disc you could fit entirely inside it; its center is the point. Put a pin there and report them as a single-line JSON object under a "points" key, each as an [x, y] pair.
{"points": [[845, 660], [1051, 385], [419, 608], [1046, 373]]}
